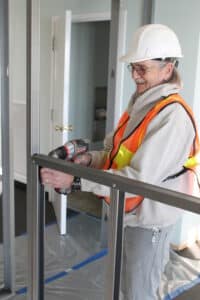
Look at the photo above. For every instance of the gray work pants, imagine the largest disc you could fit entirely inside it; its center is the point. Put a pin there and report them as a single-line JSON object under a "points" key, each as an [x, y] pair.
{"points": [[145, 254]]}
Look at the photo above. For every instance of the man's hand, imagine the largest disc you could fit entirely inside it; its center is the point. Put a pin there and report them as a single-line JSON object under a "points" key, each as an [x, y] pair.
{"points": [[83, 159], [60, 180], [56, 179]]}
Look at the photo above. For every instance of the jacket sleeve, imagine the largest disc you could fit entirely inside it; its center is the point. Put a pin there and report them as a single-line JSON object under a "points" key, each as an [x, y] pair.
{"points": [[164, 150], [99, 157]]}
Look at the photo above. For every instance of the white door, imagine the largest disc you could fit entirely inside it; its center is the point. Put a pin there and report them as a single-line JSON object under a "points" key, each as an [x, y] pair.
{"points": [[61, 36], [79, 80]]}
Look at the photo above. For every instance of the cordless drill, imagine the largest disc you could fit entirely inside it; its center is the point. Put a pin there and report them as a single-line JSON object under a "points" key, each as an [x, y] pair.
{"points": [[69, 151]]}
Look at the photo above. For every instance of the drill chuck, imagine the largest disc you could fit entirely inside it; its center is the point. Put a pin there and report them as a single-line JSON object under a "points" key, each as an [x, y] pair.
{"points": [[68, 152], [70, 149]]}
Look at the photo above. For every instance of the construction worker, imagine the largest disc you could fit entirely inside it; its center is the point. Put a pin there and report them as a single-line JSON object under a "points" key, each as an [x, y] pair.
{"points": [[152, 143]]}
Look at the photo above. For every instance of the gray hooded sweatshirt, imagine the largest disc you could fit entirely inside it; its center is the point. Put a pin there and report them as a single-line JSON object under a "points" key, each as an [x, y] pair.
{"points": [[164, 150]]}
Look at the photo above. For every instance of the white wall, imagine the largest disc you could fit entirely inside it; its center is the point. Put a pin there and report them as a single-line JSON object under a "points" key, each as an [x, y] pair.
{"points": [[134, 20], [18, 84], [18, 50], [184, 19]]}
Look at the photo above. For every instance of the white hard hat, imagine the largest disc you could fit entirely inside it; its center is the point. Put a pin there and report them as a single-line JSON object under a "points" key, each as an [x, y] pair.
{"points": [[153, 41]]}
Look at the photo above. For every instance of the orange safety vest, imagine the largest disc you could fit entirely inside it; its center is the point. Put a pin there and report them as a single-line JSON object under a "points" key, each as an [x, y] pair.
{"points": [[124, 148]]}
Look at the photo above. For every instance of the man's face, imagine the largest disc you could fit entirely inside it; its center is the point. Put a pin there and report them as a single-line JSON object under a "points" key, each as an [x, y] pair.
{"points": [[150, 73]]}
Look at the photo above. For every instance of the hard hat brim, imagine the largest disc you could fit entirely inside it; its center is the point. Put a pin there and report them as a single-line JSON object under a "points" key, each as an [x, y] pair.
{"points": [[131, 59]]}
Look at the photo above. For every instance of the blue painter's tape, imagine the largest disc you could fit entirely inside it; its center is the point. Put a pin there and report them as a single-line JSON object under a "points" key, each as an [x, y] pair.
{"points": [[167, 297], [182, 289], [90, 259], [22, 291], [65, 273], [55, 277]]}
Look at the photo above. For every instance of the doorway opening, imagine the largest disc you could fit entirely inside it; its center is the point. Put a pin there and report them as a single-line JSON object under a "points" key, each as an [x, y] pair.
{"points": [[88, 80]]}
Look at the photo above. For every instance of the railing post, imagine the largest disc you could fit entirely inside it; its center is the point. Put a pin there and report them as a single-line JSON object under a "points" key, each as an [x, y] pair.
{"points": [[36, 238], [34, 206], [115, 241]]}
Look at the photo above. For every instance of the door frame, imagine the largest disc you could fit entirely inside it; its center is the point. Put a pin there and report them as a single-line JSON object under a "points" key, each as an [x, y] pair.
{"points": [[118, 101], [91, 17], [60, 205]]}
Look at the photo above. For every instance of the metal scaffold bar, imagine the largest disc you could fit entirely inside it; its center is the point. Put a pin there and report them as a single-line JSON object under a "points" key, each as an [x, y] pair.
{"points": [[115, 241], [37, 234], [34, 207], [7, 157]]}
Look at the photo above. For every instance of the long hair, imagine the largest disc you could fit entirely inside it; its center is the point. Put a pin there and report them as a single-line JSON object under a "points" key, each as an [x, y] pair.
{"points": [[175, 78]]}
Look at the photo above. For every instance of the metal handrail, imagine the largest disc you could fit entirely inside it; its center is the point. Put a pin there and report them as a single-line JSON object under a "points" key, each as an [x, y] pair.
{"points": [[119, 185], [124, 184]]}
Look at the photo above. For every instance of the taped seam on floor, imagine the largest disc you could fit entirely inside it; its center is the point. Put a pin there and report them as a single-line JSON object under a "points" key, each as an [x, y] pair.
{"points": [[182, 289], [78, 266]]}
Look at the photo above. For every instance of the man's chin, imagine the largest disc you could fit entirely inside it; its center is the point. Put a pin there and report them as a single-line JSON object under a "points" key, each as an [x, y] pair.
{"points": [[140, 89]]}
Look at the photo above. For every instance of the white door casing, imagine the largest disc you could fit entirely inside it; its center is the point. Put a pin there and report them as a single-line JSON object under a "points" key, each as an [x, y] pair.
{"points": [[61, 36]]}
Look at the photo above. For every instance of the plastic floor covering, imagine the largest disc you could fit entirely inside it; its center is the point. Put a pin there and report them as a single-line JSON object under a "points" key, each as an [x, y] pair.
{"points": [[75, 264]]}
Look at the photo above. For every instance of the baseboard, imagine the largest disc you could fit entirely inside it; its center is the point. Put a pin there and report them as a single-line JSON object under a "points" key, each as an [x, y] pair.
{"points": [[20, 185], [20, 178], [17, 176]]}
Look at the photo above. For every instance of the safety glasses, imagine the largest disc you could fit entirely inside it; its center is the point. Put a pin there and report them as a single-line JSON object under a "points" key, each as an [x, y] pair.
{"points": [[140, 69]]}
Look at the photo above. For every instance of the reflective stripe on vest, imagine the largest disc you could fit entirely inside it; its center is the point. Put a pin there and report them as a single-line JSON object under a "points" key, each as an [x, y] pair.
{"points": [[125, 148]]}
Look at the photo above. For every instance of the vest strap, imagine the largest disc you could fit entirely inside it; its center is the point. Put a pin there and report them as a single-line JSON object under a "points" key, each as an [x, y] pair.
{"points": [[124, 148]]}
